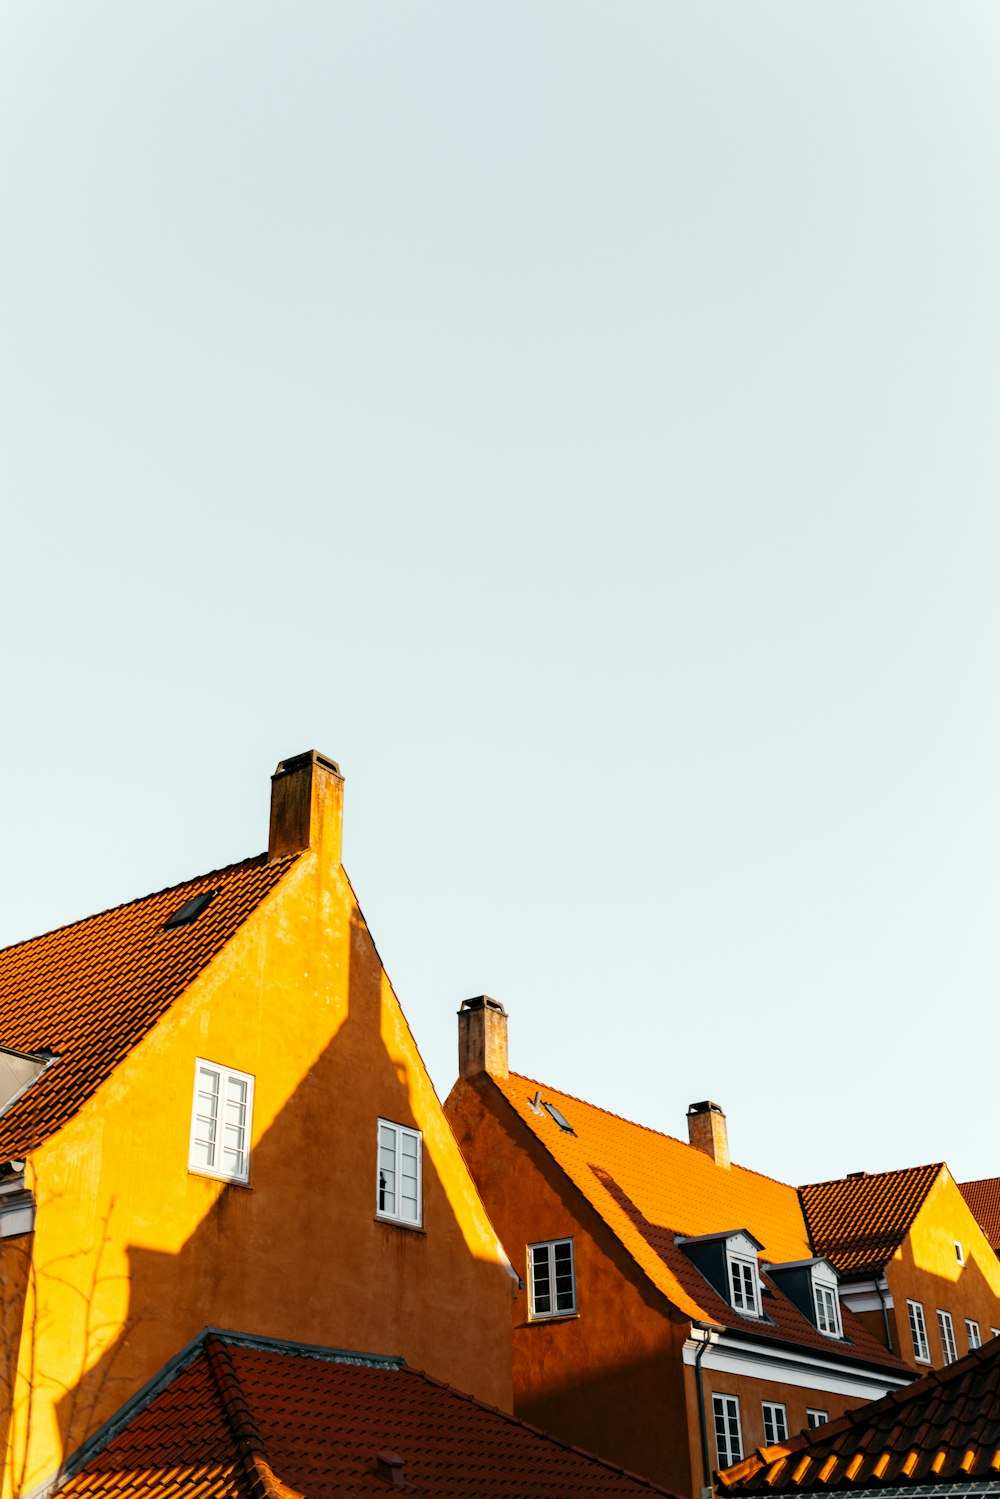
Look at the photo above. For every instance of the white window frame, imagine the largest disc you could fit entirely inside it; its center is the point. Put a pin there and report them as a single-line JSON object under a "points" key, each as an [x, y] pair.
{"points": [[726, 1412], [946, 1329], [775, 1413], [399, 1133], [959, 1251], [995, 1332], [823, 1288], [816, 1418], [918, 1332], [973, 1336], [547, 1248], [743, 1279], [227, 1078]]}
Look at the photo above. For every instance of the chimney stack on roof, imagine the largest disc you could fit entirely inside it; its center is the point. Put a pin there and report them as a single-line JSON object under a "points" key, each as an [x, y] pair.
{"points": [[482, 1037], [307, 807], [707, 1131]]}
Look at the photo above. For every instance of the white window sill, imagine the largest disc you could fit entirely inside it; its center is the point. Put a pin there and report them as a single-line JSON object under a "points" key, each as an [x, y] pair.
{"points": [[217, 1176], [411, 1228]]}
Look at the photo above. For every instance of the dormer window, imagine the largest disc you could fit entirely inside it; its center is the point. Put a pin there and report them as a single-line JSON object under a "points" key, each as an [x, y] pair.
{"points": [[827, 1304], [728, 1261], [812, 1286], [744, 1285]]}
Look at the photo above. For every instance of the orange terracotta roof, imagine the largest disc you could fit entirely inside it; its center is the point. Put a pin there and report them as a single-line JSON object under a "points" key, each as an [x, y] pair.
{"points": [[983, 1197], [90, 991], [649, 1188], [249, 1418], [944, 1429], [859, 1222]]}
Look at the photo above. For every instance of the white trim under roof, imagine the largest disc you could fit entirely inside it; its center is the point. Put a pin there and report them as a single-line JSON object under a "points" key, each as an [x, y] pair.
{"points": [[729, 1353], [865, 1295]]}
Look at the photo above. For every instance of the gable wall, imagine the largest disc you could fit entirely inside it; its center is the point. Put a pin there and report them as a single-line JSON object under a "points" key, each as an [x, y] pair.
{"points": [[926, 1269], [134, 1255]]}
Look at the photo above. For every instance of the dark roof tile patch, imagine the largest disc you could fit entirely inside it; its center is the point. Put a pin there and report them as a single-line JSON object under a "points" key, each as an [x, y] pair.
{"points": [[858, 1222], [943, 1429], [983, 1197], [242, 1421]]}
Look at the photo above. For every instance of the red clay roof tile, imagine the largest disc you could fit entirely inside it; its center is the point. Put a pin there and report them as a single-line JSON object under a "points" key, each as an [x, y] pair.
{"points": [[859, 1222], [90, 991], [983, 1197], [244, 1419], [944, 1428]]}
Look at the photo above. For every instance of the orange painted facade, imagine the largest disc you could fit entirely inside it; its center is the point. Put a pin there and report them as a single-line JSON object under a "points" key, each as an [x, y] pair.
{"points": [[133, 1253], [619, 1376], [926, 1268]]}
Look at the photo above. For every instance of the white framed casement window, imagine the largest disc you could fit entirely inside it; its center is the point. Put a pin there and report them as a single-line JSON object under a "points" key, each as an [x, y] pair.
{"points": [[827, 1304], [918, 1332], [552, 1279], [973, 1334], [816, 1418], [959, 1251], [400, 1173], [744, 1285], [728, 1436], [221, 1120], [775, 1423], [947, 1331]]}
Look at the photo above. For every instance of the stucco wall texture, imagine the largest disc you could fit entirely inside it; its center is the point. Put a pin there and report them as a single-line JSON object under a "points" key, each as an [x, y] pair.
{"points": [[134, 1254]]}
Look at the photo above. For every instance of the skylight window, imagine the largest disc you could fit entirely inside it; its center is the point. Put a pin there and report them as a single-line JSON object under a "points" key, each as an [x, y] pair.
{"points": [[560, 1119], [190, 910]]}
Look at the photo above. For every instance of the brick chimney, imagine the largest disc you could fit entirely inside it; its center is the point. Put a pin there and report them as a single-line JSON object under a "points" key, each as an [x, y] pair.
{"points": [[307, 807], [707, 1131], [482, 1037]]}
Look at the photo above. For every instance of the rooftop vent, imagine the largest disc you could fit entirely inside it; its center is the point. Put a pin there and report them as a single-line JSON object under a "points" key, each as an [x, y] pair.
{"points": [[190, 910], [390, 1467], [853, 1176]]}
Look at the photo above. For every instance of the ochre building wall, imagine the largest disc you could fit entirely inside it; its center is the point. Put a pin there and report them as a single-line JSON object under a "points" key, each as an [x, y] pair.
{"points": [[926, 1269], [134, 1255]]}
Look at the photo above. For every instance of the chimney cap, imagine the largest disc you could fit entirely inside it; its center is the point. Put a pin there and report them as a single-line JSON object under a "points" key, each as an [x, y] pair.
{"points": [[481, 1002], [308, 757], [705, 1107]]}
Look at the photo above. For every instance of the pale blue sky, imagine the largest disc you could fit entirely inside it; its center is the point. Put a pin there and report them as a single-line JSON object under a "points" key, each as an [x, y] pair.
{"points": [[581, 421]]}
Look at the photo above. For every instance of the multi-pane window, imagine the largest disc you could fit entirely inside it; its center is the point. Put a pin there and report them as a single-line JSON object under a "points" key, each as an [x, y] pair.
{"points": [[728, 1438], [743, 1282], [947, 1331], [817, 1418], [918, 1332], [400, 1157], [972, 1333], [827, 1309], [553, 1287], [220, 1122], [775, 1423]]}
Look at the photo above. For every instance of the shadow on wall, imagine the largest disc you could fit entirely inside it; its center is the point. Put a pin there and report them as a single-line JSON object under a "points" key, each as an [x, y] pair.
{"points": [[302, 1255]]}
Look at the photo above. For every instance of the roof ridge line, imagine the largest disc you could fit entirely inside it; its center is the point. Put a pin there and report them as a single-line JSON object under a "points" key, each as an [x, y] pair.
{"points": [[64, 926], [538, 1431], [874, 1175], [661, 1134], [264, 1482]]}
